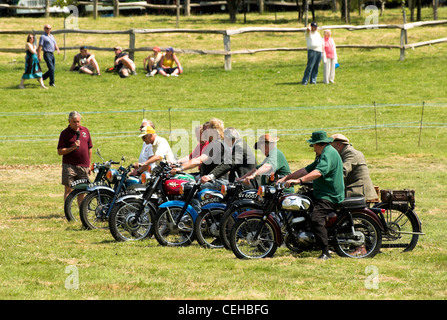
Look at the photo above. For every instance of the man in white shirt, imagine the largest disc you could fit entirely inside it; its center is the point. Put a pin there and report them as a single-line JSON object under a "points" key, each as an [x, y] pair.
{"points": [[314, 44], [160, 148]]}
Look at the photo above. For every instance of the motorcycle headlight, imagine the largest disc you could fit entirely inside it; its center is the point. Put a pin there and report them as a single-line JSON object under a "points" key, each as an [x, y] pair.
{"points": [[110, 175], [223, 190]]}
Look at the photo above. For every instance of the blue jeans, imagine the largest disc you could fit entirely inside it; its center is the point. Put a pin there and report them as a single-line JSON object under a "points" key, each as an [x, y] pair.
{"points": [[313, 62], [51, 64]]}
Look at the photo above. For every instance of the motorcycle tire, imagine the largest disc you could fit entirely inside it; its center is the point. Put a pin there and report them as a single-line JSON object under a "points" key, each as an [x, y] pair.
{"points": [[403, 228], [71, 206], [170, 234], [123, 225], [242, 241], [227, 221], [207, 228], [93, 210], [366, 242]]}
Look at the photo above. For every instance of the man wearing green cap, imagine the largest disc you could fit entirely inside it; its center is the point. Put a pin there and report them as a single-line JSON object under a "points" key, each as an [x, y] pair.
{"points": [[326, 172]]}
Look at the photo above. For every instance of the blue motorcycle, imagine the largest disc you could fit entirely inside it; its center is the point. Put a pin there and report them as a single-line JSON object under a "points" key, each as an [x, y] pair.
{"points": [[97, 205], [174, 222]]}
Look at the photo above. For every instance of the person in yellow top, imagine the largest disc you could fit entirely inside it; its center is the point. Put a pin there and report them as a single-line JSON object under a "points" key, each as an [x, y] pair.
{"points": [[169, 64]]}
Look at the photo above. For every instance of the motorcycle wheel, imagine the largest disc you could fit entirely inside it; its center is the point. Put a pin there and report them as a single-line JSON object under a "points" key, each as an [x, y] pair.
{"points": [[227, 221], [125, 227], [366, 241], [71, 205], [207, 229], [244, 244], [93, 210], [168, 233], [402, 226]]}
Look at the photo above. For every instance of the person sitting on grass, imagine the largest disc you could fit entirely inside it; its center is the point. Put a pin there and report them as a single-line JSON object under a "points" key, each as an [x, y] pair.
{"points": [[152, 62], [169, 64], [123, 64], [85, 62]]}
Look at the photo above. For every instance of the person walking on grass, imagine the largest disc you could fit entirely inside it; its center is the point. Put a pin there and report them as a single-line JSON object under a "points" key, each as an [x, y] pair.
{"points": [[32, 65], [48, 44]]}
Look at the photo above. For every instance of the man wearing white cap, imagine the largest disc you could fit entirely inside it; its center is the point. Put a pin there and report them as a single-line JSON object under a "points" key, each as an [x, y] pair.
{"points": [[160, 147], [355, 171]]}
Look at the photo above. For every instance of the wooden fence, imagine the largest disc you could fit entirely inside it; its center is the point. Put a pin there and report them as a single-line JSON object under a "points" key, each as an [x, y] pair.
{"points": [[227, 52]]}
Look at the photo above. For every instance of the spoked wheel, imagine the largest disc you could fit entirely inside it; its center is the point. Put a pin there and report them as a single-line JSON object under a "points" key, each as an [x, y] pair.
{"points": [[72, 204], [227, 221], [252, 238], [207, 228], [93, 211], [403, 228], [126, 225], [364, 243], [168, 232]]}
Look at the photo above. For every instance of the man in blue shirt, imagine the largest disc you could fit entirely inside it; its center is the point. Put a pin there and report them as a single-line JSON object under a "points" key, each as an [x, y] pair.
{"points": [[48, 45]]}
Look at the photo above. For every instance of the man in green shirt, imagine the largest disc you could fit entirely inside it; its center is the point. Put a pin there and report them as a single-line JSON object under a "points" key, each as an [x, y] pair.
{"points": [[274, 162], [326, 172]]}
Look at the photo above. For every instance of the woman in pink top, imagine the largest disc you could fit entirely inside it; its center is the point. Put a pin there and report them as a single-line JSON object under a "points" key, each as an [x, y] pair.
{"points": [[329, 58]]}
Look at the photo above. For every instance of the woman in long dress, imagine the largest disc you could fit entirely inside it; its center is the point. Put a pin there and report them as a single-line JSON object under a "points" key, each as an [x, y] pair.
{"points": [[32, 65]]}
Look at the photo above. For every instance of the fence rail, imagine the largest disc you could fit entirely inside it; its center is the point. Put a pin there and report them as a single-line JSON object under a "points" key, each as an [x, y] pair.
{"points": [[227, 52]]}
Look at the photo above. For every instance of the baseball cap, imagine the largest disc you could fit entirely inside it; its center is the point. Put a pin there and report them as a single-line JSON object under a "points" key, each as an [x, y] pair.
{"points": [[146, 130]]}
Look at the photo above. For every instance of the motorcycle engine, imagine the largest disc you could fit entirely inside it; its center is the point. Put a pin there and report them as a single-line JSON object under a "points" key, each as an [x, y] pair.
{"points": [[304, 240]]}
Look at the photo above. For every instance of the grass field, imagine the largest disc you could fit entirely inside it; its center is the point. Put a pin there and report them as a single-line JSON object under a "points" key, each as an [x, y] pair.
{"points": [[40, 249]]}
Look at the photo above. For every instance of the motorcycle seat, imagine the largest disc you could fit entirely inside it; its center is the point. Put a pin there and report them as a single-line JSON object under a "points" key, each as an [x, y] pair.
{"points": [[354, 203]]}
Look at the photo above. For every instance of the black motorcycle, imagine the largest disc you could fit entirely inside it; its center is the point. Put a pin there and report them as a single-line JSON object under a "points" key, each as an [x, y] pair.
{"points": [[353, 229], [71, 203]]}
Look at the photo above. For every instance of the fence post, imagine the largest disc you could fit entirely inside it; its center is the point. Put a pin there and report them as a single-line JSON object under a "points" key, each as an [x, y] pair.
{"points": [[403, 33], [187, 8], [132, 44], [227, 48], [47, 8], [116, 8], [95, 9]]}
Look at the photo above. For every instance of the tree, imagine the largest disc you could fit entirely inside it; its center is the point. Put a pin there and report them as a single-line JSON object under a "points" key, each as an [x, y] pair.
{"points": [[232, 9]]}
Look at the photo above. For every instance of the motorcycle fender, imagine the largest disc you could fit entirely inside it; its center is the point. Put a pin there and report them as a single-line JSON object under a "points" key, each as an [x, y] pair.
{"points": [[216, 205], [82, 186], [95, 188], [179, 204], [244, 202], [129, 197], [273, 222], [371, 214]]}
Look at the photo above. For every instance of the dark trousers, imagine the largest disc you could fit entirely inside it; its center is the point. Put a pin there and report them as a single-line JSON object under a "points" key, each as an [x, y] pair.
{"points": [[51, 64], [313, 63], [318, 218]]}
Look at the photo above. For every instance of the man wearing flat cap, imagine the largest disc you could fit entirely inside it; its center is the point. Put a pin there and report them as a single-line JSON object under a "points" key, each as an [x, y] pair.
{"points": [[123, 64], [355, 171], [326, 172], [274, 162]]}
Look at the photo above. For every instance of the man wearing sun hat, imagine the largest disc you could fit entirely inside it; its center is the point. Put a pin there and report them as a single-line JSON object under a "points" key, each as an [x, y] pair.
{"points": [[326, 172], [274, 162], [160, 147]]}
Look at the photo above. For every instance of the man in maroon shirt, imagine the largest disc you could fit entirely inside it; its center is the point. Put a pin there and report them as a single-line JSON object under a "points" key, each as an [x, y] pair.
{"points": [[75, 147]]}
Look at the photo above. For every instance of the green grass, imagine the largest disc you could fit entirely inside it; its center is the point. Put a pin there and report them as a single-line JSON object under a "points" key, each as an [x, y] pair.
{"points": [[262, 92]]}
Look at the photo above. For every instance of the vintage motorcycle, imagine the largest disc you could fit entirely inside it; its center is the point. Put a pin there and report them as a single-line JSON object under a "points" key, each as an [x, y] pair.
{"points": [[402, 226], [353, 229], [132, 216], [98, 203], [71, 205], [209, 221], [174, 222]]}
